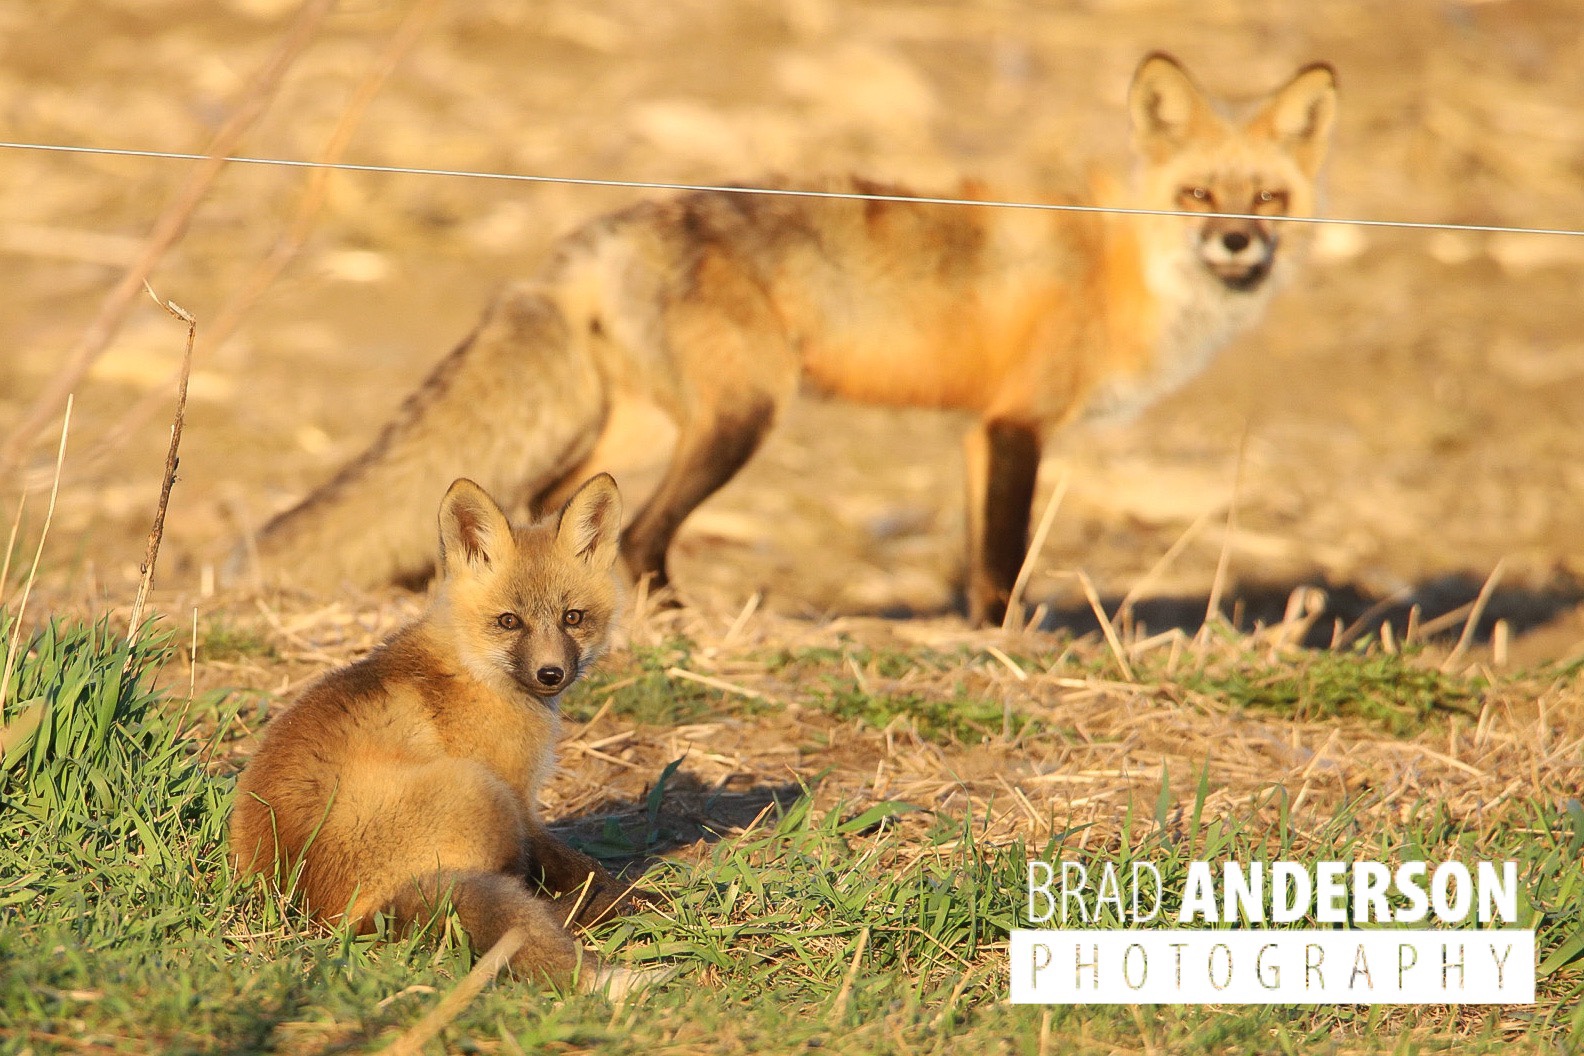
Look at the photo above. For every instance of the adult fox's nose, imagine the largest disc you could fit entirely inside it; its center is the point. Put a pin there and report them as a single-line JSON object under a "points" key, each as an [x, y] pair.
{"points": [[550, 676]]}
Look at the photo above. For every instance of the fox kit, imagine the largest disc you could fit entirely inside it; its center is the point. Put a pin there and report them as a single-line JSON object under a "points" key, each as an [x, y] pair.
{"points": [[413, 776], [714, 306]]}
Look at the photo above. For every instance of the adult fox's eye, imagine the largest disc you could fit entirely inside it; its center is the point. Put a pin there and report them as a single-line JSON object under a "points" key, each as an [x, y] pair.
{"points": [[508, 621], [572, 617]]}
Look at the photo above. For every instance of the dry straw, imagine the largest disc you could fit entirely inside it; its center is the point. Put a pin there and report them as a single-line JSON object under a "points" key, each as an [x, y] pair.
{"points": [[38, 551], [290, 242], [168, 479], [167, 231]]}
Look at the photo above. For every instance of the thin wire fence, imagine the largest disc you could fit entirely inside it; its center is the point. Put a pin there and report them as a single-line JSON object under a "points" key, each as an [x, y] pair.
{"points": [[790, 192]]}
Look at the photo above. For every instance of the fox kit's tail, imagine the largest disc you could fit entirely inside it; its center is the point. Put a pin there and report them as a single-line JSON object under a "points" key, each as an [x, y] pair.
{"points": [[514, 407], [494, 907]]}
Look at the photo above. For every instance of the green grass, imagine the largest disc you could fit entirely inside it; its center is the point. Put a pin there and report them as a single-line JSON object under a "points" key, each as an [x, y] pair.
{"points": [[958, 716], [962, 718], [854, 930], [641, 691], [1387, 690], [1394, 692], [224, 640]]}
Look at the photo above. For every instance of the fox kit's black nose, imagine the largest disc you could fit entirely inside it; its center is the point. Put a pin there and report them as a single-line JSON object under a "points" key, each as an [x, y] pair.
{"points": [[550, 676], [1235, 241]]}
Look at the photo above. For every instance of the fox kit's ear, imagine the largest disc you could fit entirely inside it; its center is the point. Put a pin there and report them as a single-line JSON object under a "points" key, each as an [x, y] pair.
{"points": [[1167, 106], [1300, 115], [591, 522], [474, 533]]}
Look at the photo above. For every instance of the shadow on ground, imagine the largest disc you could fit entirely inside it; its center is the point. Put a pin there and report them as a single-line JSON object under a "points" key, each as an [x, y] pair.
{"points": [[1347, 613], [630, 835], [1439, 607]]}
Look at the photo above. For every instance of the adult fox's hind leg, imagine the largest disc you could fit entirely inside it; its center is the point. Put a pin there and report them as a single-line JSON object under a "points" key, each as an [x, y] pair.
{"points": [[707, 455], [742, 370]]}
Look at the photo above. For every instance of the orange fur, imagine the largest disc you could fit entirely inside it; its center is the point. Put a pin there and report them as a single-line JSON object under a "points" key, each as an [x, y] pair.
{"points": [[714, 306]]}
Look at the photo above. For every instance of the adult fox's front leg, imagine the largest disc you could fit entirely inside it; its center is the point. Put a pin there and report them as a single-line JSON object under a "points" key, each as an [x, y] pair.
{"points": [[1003, 463]]}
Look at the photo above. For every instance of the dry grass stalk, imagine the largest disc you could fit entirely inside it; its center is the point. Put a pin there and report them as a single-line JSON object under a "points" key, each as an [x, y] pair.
{"points": [[1106, 626], [1351, 632], [714, 683], [1014, 609], [290, 243], [1477, 610], [1430, 628], [168, 480], [748, 609], [1304, 606], [1501, 639], [451, 1006], [1140, 586], [1223, 563], [16, 526], [168, 229], [1412, 632], [839, 1006], [38, 552]]}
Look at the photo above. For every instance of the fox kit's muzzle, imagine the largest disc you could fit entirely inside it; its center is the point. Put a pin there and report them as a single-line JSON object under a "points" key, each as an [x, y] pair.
{"points": [[545, 661]]}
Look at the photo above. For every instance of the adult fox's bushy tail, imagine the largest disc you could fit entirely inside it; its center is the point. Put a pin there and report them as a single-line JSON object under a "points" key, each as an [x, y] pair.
{"points": [[511, 403]]}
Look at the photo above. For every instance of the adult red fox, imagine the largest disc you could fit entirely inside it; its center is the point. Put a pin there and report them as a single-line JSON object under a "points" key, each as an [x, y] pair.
{"points": [[412, 777], [713, 306]]}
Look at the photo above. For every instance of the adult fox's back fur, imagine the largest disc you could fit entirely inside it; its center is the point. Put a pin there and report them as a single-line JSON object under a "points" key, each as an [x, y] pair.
{"points": [[714, 306]]}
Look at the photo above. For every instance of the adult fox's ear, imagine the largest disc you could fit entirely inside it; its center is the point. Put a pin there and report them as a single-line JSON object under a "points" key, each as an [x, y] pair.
{"points": [[474, 533], [1299, 115], [1167, 106], [590, 525]]}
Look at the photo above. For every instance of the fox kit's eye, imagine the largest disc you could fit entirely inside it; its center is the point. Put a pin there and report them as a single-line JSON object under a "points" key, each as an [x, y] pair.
{"points": [[1196, 197], [572, 617], [508, 621]]}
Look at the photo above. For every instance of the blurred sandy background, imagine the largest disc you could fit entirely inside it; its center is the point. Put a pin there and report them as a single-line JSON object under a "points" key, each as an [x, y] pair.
{"points": [[1411, 412]]}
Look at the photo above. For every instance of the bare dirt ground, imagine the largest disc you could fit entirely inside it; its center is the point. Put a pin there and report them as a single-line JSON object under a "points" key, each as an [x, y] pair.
{"points": [[1410, 413]]}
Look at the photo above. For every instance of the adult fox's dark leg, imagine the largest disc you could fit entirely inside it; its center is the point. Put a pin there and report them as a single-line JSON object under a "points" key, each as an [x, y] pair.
{"points": [[708, 454], [1003, 464]]}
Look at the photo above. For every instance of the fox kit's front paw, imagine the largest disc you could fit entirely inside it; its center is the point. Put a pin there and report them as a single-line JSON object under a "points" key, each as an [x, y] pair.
{"points": [[643, 898], [603, 901]]}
